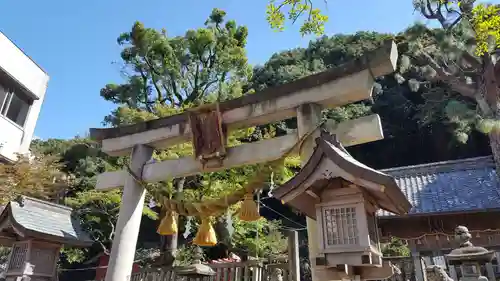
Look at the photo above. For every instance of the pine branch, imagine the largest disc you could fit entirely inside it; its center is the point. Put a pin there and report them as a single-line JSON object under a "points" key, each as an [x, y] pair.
{"points": [[456, 83]]}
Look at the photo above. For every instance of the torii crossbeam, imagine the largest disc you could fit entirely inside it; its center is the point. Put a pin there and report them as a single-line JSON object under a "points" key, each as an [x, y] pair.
{"points": [[303, 98]]}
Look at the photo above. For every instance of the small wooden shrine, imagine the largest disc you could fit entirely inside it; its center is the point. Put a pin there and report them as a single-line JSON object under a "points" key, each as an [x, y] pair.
{"points": [[343, 195], [36, 230]]}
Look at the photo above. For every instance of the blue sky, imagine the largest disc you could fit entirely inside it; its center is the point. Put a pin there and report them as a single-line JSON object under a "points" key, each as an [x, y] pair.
{"points": [[75, 42]]}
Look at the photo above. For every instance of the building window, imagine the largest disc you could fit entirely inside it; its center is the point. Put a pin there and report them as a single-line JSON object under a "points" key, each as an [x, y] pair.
{"points": [[14, 105]]}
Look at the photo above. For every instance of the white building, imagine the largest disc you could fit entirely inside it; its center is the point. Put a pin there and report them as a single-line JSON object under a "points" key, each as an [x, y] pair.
{"points": [[22, 89]]}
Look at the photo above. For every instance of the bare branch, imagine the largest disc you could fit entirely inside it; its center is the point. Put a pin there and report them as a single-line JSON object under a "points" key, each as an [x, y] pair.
{"points": [[433, 14], [112, 232]]}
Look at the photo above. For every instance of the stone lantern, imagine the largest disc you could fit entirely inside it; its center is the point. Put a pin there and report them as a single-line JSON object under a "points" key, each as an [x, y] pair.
{"points": [[196, 270], [468, 256], [36, 230], [343, 196]]}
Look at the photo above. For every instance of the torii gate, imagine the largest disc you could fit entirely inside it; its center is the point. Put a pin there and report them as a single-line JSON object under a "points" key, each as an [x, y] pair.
{"points": [[303, 98]]}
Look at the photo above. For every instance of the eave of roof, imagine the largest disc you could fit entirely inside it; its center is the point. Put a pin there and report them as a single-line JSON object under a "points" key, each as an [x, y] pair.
{"points": [[46, 221], [328, 149]]}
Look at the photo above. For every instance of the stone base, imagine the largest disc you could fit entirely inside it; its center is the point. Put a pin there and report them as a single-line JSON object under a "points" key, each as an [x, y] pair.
{"points": [[324, 273]]}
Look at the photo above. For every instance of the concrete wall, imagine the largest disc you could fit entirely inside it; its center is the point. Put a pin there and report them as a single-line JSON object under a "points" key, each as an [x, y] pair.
{"points": [[33, 82]]}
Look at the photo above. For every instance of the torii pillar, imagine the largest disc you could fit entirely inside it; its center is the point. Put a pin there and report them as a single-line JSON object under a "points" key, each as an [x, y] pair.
{"points": [[123, 250], [308, 119]]}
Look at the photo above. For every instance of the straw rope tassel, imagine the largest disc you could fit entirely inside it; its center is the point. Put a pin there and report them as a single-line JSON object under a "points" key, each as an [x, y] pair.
{"points": [[206, 234], [249, 210], [168, 224]]}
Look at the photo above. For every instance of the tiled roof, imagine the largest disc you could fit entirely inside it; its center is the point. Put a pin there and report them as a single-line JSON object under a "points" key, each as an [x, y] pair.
{"points": [[38, 217], [450, 186]]}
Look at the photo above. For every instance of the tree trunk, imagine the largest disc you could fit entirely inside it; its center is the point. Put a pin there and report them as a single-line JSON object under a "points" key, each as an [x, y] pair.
{"points": [[170, 242], [491, 87], [222, 232], [495, 148]]}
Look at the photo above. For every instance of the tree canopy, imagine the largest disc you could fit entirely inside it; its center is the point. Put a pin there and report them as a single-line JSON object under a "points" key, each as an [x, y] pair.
{"points": [[483, 18]]}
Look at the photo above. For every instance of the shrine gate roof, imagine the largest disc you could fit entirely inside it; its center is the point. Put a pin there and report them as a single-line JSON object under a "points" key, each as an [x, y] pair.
{"points": [[44, 220], [464, 185]]}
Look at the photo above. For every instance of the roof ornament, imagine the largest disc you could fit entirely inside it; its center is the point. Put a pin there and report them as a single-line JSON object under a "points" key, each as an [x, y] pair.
{"points": [[20, 200]]}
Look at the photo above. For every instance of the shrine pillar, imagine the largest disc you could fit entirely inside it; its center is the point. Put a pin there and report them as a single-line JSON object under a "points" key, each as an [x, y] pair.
{"points": [[308, 120], [129, 219]]}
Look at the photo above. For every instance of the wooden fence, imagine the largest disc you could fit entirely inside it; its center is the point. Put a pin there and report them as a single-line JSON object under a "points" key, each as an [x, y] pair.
{"points": [[242, 271], [260, 271]]}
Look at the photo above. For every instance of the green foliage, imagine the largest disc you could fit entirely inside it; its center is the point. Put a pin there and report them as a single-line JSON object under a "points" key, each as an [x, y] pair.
{"points": [[348, 112], [185, 255], [410, 117], [74, 255], [37, 176], [395, 248], [469, 29], [486, 23], [97, 211], [278, 12], [98, 214], [171, 73], [320, 55], [483, 19], [445, 65], [260, 238]]}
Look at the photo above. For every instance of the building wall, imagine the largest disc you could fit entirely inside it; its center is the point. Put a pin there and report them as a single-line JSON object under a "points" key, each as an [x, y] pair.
{"points": [[22, 76]]}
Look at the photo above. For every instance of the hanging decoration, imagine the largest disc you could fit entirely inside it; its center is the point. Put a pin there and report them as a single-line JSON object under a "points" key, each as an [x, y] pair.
{"points": [[271, 186], [209, 138], [207, 146], [229, 223], [168, 225], [249, 210], [206, 234], [187, 227], [213, 207], [422, 239]]}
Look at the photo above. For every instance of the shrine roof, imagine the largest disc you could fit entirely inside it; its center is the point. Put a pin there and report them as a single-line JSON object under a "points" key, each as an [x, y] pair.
{"points": [[331, 161], [44, 220], [464, 185]]}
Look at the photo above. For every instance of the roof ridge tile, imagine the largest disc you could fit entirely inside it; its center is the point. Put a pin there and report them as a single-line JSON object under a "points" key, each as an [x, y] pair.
{"points": [[442, 166]]}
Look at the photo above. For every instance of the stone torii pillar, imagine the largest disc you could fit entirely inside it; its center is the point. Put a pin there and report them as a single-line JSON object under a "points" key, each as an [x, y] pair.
{"points": [[303, 98], [308, 118], [129, 218]]}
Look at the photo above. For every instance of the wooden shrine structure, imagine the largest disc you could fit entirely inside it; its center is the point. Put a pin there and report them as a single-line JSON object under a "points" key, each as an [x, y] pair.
{"points": [[343, 196], [303, 98], [36, 230]]}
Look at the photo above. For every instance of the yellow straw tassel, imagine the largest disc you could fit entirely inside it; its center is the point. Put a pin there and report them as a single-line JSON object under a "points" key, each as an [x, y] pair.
{"points": [[206, 234], [249, 210], [168, 224]]}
